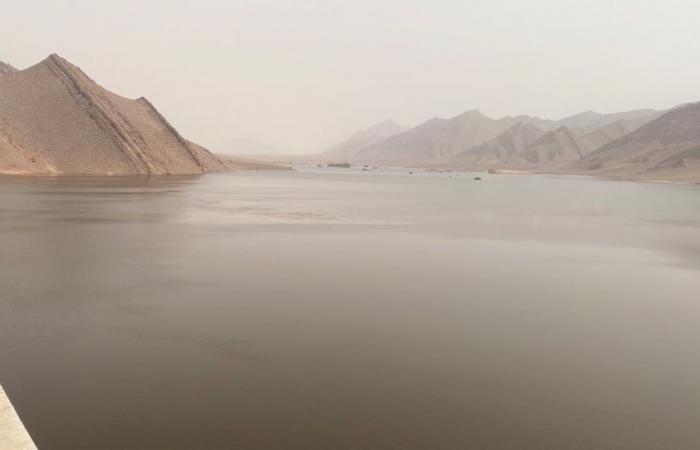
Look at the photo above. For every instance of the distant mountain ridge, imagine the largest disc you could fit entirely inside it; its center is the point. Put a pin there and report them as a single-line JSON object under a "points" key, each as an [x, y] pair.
{"points": [[641, 144], [350, 147], [440, 139], [473, 138], [592, 120], [526, 145], [505, 148], [667, 147], [572, 139]]}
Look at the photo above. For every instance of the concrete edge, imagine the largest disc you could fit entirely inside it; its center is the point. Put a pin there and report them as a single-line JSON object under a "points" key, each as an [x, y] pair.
{"points": [[13, 434]]}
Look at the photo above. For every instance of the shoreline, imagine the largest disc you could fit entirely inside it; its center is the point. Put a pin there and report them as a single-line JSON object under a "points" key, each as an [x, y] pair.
{"points": [[256, 166]]}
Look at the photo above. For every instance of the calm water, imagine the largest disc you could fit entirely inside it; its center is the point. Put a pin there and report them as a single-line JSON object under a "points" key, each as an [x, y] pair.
{"points": [[347, 310]]}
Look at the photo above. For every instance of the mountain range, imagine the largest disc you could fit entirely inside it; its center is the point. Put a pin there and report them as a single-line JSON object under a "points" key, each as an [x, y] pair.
{"points": [[438, 139], [362, 139], [55, 120], [639, 144]]}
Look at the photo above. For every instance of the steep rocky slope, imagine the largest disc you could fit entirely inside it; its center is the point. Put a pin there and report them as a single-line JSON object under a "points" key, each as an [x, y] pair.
{"points": [[665, 148], [55, 120]]}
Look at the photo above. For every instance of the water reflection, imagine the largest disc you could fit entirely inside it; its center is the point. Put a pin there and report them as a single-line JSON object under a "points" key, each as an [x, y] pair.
{"points": [[351, 310]]}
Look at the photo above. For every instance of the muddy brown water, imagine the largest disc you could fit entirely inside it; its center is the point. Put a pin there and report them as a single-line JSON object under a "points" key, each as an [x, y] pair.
{"points": [[336, 309]]}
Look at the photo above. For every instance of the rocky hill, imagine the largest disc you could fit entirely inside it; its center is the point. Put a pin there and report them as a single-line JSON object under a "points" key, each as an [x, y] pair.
{"points": [[55, 120], [665, 148]]}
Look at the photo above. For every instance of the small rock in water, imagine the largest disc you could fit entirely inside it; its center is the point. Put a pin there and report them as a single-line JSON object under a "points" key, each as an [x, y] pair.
{"points": [[478, 178]]}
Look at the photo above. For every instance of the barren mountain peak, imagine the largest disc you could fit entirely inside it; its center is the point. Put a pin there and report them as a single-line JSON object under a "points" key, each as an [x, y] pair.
{"points": [[472, 113], [56, 120]]}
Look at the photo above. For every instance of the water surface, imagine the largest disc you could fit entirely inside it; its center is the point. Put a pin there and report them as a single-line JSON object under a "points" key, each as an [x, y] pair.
{"points": [[341, 310]]}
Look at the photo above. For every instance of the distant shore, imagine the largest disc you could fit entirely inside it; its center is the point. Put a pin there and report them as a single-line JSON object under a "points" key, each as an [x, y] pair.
{"points": [[320, 161]]}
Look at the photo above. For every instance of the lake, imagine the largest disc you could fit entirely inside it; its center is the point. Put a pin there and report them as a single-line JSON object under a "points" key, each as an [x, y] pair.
{"points": [[339, 309]]}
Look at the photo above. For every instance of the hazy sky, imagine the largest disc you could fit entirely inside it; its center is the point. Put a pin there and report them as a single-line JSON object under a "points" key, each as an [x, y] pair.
{"points": [[301, 74]]}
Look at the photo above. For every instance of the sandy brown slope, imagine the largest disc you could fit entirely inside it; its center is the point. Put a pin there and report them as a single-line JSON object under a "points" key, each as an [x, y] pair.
{"points": [[56, 120], [665, 148]]}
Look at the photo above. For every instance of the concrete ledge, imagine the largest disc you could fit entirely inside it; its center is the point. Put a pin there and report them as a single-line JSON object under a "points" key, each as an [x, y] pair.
{"points": [[13, 435]]}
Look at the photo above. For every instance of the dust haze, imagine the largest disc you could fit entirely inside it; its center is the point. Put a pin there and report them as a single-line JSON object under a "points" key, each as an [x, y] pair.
{"points": [[300, 76]]}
